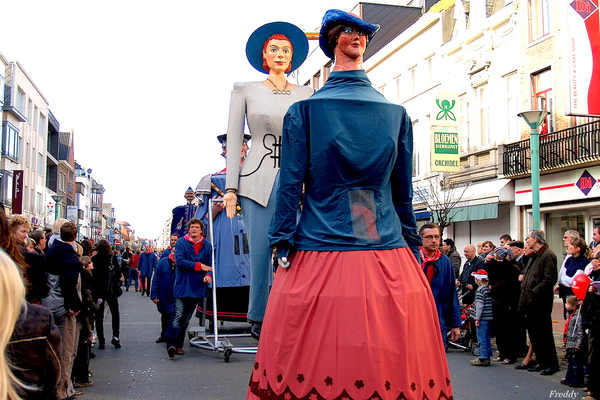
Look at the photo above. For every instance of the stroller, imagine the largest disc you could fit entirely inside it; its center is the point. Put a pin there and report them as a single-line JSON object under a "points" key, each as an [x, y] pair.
{"points": [[468, 334]]}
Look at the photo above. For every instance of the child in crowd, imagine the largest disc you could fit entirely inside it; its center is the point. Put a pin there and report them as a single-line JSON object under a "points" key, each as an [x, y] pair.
{"points": [[572, 342], [483, 318], [29, 245]]}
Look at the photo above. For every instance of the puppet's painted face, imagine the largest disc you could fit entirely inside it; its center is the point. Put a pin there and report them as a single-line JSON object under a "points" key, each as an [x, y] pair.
{"points": [[351, 43], [189, 195], [278, 55]]}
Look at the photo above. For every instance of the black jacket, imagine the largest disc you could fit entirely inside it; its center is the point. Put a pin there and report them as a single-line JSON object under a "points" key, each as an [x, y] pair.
{"points": [[64, 262], [33, 352], [590, 310]]}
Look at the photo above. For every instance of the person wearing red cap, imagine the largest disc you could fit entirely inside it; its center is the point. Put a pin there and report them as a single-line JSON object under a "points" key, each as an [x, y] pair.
{"points": [[483, 318]]}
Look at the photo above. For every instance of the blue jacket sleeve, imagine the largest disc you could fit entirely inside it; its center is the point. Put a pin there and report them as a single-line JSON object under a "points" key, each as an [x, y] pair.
{"points": [[294, 161], [402, 191], [453, 316], [155, 289]]}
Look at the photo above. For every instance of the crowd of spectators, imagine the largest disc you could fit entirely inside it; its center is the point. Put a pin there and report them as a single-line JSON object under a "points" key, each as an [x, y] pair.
{"points": [[65, 285], [513, 286]]}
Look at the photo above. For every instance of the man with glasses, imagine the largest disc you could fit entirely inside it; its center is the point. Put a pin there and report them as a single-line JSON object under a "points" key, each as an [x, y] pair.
{"points": [[570, 234], [595, 243], [440, 275], [537, 300]]}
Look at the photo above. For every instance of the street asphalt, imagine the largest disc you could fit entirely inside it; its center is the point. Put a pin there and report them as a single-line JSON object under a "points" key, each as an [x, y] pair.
{"points": [[141, 369]]}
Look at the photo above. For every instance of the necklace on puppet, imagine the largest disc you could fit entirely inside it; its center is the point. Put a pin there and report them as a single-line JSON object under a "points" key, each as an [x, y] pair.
{"points": [[280, 91]]}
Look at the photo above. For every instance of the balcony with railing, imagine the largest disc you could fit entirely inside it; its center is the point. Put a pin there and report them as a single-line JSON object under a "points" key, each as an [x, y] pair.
{"points": [[561, 150], [96, 206]]}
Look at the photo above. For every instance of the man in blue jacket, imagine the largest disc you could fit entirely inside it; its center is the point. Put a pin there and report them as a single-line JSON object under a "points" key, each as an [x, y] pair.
{"points": [[192, 274], [440, 274], [146, 265], [163, 292]]}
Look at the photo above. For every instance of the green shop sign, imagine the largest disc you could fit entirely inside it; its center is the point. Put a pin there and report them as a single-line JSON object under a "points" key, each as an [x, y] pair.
{"points": [[444, 157]]}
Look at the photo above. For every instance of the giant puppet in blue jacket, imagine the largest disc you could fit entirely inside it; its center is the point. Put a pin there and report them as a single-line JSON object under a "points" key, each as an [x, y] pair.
{"points": [[230, 241], [182, 214]]}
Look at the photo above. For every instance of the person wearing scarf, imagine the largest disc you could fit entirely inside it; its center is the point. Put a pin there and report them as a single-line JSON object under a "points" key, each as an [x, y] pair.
{"points": [[162, 293], [192, 276], [440, 275]]}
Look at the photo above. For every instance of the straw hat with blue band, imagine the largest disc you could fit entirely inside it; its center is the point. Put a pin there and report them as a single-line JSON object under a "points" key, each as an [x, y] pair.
{"points": [[297, 37], [334, 18]]}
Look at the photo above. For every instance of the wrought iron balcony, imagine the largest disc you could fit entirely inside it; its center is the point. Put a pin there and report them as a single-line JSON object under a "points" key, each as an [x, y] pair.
{"points": [[558, 150]]}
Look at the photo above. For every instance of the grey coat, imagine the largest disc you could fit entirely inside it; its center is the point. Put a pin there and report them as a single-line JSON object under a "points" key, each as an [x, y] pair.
{"points": [[540, 277], [574, 336], [255, 104]]}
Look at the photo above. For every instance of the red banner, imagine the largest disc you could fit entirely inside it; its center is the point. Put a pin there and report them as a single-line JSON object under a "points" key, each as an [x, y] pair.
{"points": [[17, 203]]}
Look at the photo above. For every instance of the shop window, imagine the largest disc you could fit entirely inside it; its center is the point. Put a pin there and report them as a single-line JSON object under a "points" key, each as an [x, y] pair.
{"points": [[21, 101], [317, 81], [41, 166], [539, 18], [511, 87], [413, 79], [483, 114], [543, 98], [2, 86], [11, 145], [6, 187], [463, 127]]}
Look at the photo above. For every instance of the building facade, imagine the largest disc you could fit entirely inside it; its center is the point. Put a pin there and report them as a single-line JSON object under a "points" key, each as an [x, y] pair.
{"points": [[24, 144], [89, 203]]}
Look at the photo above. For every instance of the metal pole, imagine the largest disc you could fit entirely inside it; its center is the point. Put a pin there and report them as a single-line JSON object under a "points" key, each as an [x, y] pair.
{"points": [[535, 177]]}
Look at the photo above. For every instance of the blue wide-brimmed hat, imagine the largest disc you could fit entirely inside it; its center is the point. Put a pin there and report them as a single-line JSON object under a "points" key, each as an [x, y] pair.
{"points": [[256, 41], [334, 18]]}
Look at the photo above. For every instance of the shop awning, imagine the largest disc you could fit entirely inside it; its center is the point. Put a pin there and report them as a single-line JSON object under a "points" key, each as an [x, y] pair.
{"points": [[497, 190], [480, 200], [475, 213]]}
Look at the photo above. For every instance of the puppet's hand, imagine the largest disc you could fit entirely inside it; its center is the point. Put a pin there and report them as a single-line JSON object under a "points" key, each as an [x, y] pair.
{"points": [[230, 201], [282, 257]]}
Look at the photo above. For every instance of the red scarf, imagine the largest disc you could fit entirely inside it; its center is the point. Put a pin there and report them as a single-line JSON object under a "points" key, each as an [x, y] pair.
{"points": [[171, 257], [197, 244], [429, 271], [567, 325]]}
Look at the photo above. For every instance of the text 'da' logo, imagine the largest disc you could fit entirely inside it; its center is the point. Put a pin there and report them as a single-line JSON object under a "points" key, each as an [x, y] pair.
{"points": [[584, 8], [586, 182]]}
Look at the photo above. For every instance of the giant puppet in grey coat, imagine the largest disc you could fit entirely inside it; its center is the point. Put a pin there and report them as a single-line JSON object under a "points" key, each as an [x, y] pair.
{"points": [[276, 48]]}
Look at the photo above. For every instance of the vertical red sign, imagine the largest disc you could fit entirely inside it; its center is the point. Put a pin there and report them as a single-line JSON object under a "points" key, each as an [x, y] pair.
{"points": [[17, 203]]}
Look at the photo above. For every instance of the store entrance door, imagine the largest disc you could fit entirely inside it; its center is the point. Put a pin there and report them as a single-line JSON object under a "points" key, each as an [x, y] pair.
{"points": [[559, 222]]}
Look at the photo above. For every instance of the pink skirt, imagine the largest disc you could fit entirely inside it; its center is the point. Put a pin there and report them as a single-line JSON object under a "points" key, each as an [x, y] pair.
{"points": [[351, 325]]}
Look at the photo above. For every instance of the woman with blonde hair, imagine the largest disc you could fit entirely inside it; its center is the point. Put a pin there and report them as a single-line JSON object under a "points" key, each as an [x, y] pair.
{"points": [[29, 341], [12, 301]]}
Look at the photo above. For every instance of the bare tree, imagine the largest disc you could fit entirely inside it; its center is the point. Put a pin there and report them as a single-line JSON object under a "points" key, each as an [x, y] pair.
{"points": [[443, 197]]}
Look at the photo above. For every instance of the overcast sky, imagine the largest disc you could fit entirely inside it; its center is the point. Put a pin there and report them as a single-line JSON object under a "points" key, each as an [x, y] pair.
{"points": [[145, 85]]}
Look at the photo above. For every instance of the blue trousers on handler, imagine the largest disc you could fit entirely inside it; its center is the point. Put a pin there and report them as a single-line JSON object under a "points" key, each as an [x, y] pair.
{"points": [[184, 310]]}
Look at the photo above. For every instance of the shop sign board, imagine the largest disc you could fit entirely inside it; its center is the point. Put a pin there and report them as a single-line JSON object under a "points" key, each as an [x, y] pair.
{"points": [[561, 187], [445, 106], [583, 35], [17, 192], [444, 150]]}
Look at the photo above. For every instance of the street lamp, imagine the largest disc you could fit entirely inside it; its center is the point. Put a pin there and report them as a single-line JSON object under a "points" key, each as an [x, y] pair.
{"points": [[534, 119], [56, 198]]}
